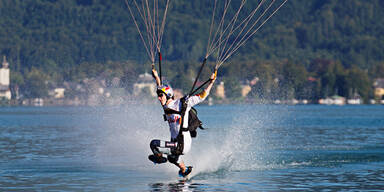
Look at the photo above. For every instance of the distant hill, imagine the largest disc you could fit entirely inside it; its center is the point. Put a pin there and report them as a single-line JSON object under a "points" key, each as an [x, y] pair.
{"points": [[55, 35]]}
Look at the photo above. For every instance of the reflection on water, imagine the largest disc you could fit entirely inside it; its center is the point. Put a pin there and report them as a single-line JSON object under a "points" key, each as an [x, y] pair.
{"points": [[307, 179], [183, 186]]}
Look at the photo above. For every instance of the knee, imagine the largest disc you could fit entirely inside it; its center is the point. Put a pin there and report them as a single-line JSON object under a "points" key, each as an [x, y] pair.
{"points": [[154, 143], [173, 158]]}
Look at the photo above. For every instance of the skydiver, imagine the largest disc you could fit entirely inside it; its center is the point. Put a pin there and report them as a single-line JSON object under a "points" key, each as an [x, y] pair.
{"points": [[181, 141]]}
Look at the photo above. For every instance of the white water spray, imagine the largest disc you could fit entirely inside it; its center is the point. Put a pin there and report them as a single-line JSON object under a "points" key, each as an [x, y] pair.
{"points": [[237, 146]]}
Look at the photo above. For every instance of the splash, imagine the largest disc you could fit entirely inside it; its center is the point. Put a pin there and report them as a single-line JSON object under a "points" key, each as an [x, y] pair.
{"points": [[126, 134], [238, 145]]}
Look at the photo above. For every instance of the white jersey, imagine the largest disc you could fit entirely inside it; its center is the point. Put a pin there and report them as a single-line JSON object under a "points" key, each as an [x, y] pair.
{"points": [[174, 120]]}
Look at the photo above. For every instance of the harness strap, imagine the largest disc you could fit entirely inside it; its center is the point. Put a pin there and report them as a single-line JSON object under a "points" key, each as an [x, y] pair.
{"points": [[169, 111], [180, 137]]}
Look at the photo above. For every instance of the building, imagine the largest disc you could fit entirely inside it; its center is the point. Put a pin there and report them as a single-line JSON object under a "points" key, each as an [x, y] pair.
{"points": [[334, 100], [355, 99], [59, 93], [245, 89], [220, 90], [379, 88], [5, 91], [144, 82]]}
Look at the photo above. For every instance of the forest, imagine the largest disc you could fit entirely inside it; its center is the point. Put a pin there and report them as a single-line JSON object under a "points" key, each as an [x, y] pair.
{"points": [[310, 49]]}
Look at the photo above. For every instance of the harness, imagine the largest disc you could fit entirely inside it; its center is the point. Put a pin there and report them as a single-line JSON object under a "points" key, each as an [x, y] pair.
{"points": [[193, 124]]}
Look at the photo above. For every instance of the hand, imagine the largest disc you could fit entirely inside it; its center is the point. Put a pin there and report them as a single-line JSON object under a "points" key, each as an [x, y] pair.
{"points": [[213, 76], [154, 73]]}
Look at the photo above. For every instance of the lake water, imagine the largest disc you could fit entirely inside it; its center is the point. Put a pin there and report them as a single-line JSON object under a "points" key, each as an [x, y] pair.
{"points": [[245, 148]]}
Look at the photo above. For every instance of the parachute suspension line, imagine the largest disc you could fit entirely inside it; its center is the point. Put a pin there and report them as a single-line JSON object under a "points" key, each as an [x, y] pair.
{"points": [[148, 43], [231, 24], [151, 23], [210, 30], [249, 36], [221, 29], [243, 25], [161, 31], [220, 26], [229, 38], [219, 41], [152, 30], [146, 18], [138, 29], [231, 50]]}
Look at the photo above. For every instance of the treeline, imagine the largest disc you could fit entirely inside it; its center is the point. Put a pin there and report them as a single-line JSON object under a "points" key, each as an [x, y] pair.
{"points": [[286, 79], [327, 41]]}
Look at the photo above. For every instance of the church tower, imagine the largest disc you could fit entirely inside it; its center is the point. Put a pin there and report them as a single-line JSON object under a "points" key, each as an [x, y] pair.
{"points": [[4, 80]]}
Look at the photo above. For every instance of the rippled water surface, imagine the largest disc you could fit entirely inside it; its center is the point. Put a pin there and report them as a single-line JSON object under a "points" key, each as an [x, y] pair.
{"points": [[245, 148]]}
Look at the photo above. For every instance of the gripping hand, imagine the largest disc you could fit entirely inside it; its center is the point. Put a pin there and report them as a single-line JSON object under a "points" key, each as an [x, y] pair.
{"points": [[154, 72]]}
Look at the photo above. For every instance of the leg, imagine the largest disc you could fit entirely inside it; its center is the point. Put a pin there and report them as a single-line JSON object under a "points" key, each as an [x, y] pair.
{"points": [[184, 171], [159, 148], [187, 144], [175, 157], [177, 161], [154, 145]]}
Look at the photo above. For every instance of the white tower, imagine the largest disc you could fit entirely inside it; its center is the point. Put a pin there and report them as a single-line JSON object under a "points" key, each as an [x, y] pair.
{"points": [[4, 80]]}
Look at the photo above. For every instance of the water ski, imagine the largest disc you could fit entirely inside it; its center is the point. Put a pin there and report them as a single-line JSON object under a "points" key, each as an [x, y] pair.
{"points": [[186, 173]]}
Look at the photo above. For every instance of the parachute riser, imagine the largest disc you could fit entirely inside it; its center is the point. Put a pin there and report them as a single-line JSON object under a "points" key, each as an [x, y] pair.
{"points": [[198, 75], [202, 85], [160, 58]]}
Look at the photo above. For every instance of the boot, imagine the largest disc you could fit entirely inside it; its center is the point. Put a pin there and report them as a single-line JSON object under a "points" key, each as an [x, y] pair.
{"points": [[187, 171], [157, 159]]}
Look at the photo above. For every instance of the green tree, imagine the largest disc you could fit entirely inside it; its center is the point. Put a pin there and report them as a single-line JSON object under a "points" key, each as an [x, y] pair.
{"points": [[359, 82], [35, 84], [265, 86], [232, 88], [377, 70], [294, 78]]}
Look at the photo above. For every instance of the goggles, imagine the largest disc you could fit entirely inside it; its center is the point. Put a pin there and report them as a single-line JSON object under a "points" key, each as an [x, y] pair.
{"points": [[160, 94]]}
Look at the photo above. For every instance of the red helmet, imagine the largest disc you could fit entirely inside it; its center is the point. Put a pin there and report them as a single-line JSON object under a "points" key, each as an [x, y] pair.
{"points": [[166, 89]]}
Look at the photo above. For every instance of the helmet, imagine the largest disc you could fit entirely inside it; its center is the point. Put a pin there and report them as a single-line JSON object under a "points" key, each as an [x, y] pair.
{"points": [[166, 89]]}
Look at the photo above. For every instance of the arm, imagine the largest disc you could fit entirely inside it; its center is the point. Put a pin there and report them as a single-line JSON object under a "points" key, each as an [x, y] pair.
{"points": [[207, 90], [195, 99], [156, 76]]}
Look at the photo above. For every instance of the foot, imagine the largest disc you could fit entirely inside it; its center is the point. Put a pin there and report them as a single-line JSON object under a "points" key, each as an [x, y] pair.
{"points": [[157, 159], [187, 171]]}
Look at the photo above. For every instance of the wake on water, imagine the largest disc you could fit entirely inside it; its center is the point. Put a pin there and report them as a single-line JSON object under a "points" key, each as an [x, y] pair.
{"points": [[128, 131], [251, 140]]}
